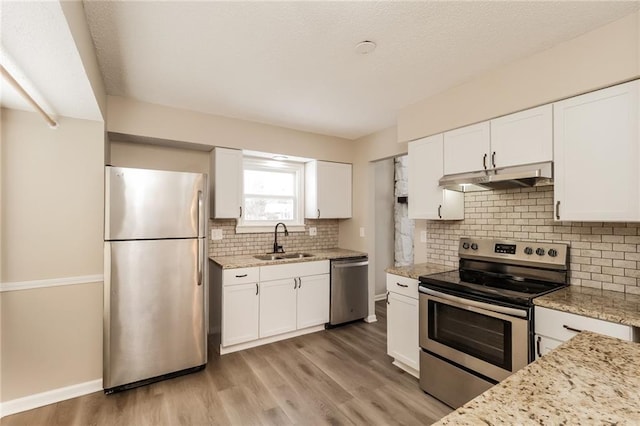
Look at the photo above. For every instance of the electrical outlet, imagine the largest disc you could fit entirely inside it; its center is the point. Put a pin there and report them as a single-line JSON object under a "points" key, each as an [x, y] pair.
{"points": [[216, 234], [362, 232], [313, 231], [423, 236]]}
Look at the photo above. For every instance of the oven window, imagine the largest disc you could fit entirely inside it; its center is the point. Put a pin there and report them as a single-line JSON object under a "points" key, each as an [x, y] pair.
{"points": [[481, 336]]}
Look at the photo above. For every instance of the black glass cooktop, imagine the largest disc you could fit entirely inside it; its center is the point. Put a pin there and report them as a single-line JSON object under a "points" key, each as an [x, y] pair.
{"points": [[489, 287]]}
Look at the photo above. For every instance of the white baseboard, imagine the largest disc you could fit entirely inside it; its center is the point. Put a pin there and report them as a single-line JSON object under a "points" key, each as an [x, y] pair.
{"points": [[379, 297], [371, 318], [49, 397]]}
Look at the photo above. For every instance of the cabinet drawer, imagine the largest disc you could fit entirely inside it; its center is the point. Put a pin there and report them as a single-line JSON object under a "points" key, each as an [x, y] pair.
{"points": [[561, 325], [240, 276], [402, 285], [291, 270]]}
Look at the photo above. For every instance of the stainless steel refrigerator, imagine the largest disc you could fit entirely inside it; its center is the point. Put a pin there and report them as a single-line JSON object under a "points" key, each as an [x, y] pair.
{"points": [[155, 276]]}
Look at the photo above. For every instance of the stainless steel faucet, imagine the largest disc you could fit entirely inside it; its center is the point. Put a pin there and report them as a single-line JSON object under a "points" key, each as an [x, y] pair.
{"points": [[278, 248]]}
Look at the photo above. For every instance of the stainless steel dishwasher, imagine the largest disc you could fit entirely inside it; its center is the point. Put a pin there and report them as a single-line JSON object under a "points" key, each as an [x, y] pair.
{"points": [[349, 289]]}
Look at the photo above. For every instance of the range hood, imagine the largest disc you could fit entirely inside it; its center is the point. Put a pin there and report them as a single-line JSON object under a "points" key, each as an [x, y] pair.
{"points": [[500, 178]]}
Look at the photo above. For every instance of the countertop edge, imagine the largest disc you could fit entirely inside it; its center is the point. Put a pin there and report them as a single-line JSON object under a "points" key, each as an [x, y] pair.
{"points": [[248, 261]]}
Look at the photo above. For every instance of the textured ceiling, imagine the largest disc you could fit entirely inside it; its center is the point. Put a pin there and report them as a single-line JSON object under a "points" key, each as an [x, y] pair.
{"points": [[293, 64], [38, 50]]}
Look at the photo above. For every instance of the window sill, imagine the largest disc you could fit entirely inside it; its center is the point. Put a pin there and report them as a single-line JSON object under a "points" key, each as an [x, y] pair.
{"points": [[249, 229]]}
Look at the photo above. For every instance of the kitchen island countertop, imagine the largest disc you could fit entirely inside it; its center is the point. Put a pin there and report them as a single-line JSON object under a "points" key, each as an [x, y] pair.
{"points": [[591, 379], [606, 305], [248, 260]]}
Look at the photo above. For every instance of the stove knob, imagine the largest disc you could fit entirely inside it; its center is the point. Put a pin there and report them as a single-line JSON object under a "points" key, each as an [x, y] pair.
{"points": [[474, 246], [465, 246], [540, 251], [553, 252], [528, 250]]}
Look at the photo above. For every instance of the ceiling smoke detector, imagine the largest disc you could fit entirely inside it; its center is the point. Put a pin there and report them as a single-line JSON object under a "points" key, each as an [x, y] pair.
{"points": [[365, 47]]}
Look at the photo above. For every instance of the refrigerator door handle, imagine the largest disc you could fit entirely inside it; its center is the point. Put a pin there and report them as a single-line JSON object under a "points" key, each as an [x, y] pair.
{"points": [[201, 223], [200, 260]]}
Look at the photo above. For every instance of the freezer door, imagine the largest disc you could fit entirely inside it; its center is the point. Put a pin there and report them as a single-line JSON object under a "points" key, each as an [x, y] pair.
{"points": [[153, 309], [147, 204]]}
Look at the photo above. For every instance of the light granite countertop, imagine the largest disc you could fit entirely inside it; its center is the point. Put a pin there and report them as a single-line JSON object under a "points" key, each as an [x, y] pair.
{"points": [[248, 260], [414, 271], [595, 303], [591, 379]]}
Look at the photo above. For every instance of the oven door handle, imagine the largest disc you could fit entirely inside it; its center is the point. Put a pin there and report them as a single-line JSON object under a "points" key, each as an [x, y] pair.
{"points": [[486, 306]]}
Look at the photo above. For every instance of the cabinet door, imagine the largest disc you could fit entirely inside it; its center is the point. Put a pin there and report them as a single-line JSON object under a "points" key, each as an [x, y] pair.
{"points": [[525, 137], [545, 344], [328, 190], [402, 330], [467, 149], [227, 183], [596, 155], [313, 301], [277, 307], [239, 313], [425, 168]]}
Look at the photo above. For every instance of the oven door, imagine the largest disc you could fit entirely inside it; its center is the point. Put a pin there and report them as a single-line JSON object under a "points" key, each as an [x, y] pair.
{"points": [[491, 340]]}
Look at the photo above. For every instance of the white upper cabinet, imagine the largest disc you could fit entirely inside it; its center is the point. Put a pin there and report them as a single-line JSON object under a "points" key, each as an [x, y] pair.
{"points": [[525, 137], [226, 185], [522, 138], [466, 149], [596, 155], [426, 199], [327, 190]]}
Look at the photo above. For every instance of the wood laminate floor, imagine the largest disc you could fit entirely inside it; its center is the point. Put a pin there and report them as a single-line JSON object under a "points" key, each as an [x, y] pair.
{"points": [[340, 376]]}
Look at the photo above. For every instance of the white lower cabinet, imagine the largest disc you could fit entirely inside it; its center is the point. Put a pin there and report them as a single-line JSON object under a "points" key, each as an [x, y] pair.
{"points": [[269, 303], [239, 313], [313, 301], [554, 327], [402, 323], [277, 307]]}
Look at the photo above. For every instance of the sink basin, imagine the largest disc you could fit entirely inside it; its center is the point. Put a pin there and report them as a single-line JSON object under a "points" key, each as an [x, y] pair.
{"points": [[276, 256], [294, 255], [268, 257]]}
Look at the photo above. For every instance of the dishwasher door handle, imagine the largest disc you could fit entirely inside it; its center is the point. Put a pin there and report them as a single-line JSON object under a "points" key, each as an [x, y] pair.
{"points": [[348, 265]]}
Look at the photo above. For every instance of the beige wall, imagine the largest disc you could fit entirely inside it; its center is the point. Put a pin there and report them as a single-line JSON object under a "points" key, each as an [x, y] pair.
{"points": [[145, 156], [52, 206], [52, 338], [52, 193], [131, 117], [602, 57]]}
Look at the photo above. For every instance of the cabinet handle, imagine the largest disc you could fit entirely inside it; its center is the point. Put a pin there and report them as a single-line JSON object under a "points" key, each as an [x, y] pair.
{"points": [[241, 276], [493, 159], [295, 283], [440, 211], [387, 298], [299, 282], [402, 285], [538, 346], [256, 289], [484, 161], [318, 213], [575, 330], [558, 210], [240, 211]]}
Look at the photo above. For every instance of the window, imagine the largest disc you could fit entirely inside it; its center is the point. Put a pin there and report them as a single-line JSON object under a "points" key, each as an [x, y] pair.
{"points": [[272, 193]]}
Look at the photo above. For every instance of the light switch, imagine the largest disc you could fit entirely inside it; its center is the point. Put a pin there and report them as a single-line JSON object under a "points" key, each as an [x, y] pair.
{"points": [[216, 234], [361, 231], [423, 236], [313, 231]]}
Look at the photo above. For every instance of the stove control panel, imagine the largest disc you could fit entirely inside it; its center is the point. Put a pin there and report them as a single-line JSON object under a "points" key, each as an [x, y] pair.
{"points": [[517, 252]]}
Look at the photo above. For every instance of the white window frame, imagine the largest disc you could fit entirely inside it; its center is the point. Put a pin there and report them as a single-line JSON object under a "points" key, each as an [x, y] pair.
{"points": [[254, 226]]}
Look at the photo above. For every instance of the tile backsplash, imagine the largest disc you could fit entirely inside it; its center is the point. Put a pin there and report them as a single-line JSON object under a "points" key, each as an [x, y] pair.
{"points": [[235, 244], [602, 254]]}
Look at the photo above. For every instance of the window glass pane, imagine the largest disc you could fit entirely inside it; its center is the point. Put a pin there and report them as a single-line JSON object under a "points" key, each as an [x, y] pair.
{"points": [[269, 183], [269, 209]]}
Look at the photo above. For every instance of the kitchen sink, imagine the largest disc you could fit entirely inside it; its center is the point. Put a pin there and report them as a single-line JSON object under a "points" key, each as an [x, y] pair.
{"points": [[276, 256]]}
